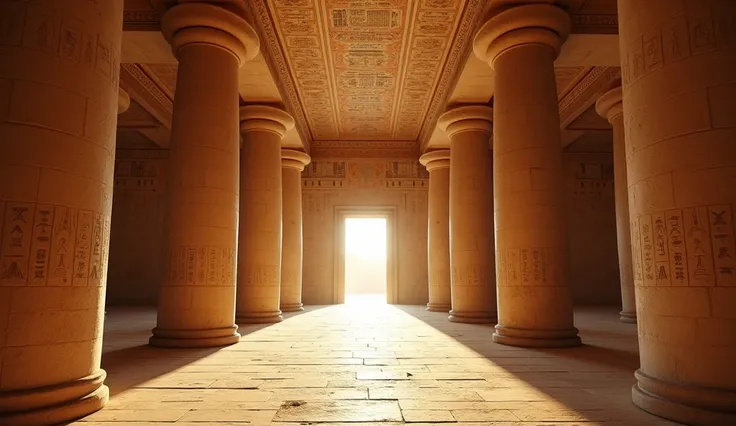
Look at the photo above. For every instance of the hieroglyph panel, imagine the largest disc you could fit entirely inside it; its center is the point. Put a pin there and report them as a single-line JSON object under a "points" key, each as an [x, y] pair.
{"points": [[366, 68], [375, 174]]}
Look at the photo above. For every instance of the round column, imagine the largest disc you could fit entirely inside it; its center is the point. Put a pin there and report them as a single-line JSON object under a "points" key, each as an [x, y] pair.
{"points": [[472, 279], [610, 107], [534, 299], [438, 166], [259, 249], [292, 165], [679, 62], [58, 115], [197, 298]]}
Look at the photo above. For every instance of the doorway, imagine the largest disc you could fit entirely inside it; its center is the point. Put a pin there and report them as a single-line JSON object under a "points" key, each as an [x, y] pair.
{"points": [[365, 259], [364, 270]]}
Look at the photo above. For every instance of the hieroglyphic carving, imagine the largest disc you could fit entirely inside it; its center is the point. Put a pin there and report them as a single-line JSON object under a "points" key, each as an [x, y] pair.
{"points": [[211, 266], [45, 244], [595, 24], [139, 175], [391, 174], [681, 247], [366, 39], [363, 149], [724, 247], [592, 180], [678, 39]]}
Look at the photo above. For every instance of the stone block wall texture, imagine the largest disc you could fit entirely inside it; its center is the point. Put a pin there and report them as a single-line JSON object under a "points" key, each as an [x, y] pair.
{"points": [[364, 182], [58, 114], [136, 247], [591, 228], [136, 238]]}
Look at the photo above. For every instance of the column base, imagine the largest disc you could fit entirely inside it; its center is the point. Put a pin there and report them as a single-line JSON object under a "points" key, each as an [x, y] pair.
{"points": [[472, 317], [628, 317], [56, 404], [259, 318], [689, 405], [527, 338], [438, 307], [211, 338], [296, 307]]}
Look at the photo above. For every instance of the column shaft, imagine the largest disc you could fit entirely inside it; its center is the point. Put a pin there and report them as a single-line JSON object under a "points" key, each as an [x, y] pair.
{"points": [[472, 276], [197, 298], [259, 250], [292, 164], [534, 297], [438, 166], [679, 63], [59, 97], [610, 106]]}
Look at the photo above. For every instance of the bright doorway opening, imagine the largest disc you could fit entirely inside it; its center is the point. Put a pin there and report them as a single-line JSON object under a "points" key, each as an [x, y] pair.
{"points": [[366, 260]]}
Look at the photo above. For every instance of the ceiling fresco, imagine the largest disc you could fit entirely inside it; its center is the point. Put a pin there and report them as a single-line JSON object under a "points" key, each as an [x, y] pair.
{"points": [[366, 69]]}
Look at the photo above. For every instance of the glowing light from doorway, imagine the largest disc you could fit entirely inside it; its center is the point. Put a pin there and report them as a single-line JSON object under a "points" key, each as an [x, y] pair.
{"points": [[365, 257]]}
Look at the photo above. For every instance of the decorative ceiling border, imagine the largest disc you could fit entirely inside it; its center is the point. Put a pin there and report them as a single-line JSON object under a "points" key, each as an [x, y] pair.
{"points": [[462, 46], [594, 24], [364, 149], [144, 90], [257, 13], [141, 20], [585, 93]]}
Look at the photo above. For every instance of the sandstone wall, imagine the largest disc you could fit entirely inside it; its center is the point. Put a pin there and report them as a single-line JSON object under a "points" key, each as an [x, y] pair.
{"points": [[136, 240], [591, 227], [137, 252]]}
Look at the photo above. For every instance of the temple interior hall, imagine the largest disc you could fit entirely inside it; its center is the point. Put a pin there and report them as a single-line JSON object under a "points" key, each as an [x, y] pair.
{"points": [[367, 212]]}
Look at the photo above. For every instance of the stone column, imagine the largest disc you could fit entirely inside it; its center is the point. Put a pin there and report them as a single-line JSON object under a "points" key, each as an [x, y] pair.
{"points": [[259, 249], [197, 298], [123, 101], [679, 63], [58, 115], [438, 166], [610, 107], [473, 284], [534, 299], [292, 165]]}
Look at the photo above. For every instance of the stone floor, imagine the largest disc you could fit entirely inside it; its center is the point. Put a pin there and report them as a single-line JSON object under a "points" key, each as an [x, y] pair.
{"points": [[376, 363]]}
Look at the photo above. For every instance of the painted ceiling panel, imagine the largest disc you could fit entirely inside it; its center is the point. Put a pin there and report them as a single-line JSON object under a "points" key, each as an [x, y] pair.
{"points": [[366, 69]]}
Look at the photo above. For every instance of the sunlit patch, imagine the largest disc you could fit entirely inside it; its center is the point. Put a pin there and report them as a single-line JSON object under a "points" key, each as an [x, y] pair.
{"points": [[365, 261]]}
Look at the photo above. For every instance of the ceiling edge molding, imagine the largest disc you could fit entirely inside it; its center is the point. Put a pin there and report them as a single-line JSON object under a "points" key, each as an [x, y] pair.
{"points": [[144, 90], [259, 14], [594, 24], [141, 20], [364, 149], [585, 93], [475, 11]]}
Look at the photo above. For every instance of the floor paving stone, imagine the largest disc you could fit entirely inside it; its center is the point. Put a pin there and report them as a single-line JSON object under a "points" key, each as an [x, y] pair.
{"points": [[368, 366]]}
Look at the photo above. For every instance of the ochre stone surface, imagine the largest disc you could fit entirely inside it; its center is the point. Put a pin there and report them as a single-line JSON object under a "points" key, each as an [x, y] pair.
{"points": [[259, 241], [364, 182], [473, 280], [610, 107], [196, 306], [534, 299], [377, 365], [59, 97], [680, 118], [292, 165], [438, 238]]}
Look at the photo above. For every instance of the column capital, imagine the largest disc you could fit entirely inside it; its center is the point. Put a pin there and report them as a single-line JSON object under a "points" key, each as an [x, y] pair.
{"points": [[265, 118], [438, 159], [465, 118], [123, 101], [610, 105], [538, 23], [203, 23], [291, 158]]}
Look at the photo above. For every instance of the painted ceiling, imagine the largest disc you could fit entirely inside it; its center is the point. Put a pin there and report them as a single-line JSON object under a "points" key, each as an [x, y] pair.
{"points": [[366, 69]]}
